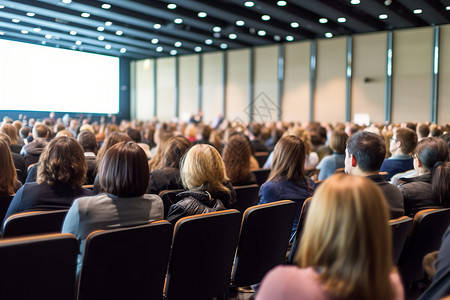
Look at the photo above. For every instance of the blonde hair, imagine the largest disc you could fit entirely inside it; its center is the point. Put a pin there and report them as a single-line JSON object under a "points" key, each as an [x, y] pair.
{"points": [[347, 237], [202, 169]]}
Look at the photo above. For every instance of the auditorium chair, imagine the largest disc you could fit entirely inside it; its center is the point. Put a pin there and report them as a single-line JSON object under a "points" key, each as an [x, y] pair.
{"points": [[246, 196], [400, 228]]}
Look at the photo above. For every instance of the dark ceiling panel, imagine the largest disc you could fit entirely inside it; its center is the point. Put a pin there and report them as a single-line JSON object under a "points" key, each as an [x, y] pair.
{"points": [[139, 29]]}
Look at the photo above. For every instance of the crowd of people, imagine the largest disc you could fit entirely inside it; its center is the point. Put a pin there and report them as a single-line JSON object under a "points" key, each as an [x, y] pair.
{"points": [[110, 175]]}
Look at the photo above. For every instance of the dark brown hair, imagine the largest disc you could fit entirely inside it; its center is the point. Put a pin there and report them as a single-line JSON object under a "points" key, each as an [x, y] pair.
{"points": [[174, 150], [62, 161], [8, 176], [236, 156], [408, 138], [124, 170], [112, 139]]}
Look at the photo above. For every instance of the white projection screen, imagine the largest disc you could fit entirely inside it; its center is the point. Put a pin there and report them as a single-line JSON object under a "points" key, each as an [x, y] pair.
{"points": [[40, 78]]}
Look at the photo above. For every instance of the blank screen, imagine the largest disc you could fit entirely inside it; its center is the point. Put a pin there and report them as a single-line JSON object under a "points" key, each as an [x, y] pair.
{"points": [[40, 78]]}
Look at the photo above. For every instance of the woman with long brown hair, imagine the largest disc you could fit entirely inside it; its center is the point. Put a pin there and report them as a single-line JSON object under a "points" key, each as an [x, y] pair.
{"points": [[345, 250], [236, 156], [8, 176]]}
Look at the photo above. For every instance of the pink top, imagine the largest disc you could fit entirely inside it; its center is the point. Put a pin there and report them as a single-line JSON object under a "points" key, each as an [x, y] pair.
{"points": [[293, 283]]}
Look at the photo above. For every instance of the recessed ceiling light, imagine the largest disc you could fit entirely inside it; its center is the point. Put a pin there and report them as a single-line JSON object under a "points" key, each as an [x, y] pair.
{"points": [[354, 2], [173, 52], [223, 46], [48, 36], [107, 46], [31, 14], [66, 1], [123, 50], [202, 14], [208, 41], [281, 3], [37, 29], [328, 35], [23, 31], [261, 32], [119, 32], [108, 23], [2, 33], [216, 35], [106, 6], [448, 7], [155, 41], [295, 25], [15, 20], [198, 49], [417, 11], [177, 44], [289, 38], [265, 17], [178, 21], [159, 49], [217, 29], [78, 43], [101, 38], [383, 16], [232, 36], [85, 15], [2, 6], [249, 3], [73, 32], [240, 23], [157, 26], [342, 20], [171, 6], [100, 28], [323, 20], [277, 38]]}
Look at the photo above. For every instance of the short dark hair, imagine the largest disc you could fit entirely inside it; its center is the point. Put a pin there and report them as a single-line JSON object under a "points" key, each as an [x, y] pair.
{"points": [[368, 149], [87, 141], [408, 138], [40, 130], [134, 134], [124, 170], [423, 130]]}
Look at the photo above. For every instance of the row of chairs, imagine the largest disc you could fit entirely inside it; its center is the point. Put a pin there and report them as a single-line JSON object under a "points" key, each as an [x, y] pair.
{"points": [[199, 258]]}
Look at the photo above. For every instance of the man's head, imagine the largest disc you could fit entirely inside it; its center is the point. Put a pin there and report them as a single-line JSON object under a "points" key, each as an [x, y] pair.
{"points": [[40, 131], [365, 153], [87, 141], [404, 141], [422, 131]]}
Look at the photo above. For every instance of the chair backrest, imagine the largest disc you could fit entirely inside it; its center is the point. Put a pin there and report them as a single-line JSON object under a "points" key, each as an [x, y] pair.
{"points": [[203, 250], [261, 158], [5, 201], [263, 241], [425, 236], [246, 196], [126, 263], [400, 228], [34, 222], [169, 197], [261, 175], [38, 267], [295, 239]]}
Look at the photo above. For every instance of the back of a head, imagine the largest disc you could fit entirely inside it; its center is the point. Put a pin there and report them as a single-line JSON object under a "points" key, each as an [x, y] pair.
{"points": [[423, 130], [236, 156], [134, 134], [11, 131], [368, 149], [111, 140], [124, 170], [62, 161], [174, 150], [408, 138], [202, 169], [87, 141], [288, 160], [4, 137], [436, 130], [40, 130], [8, 174], [446, 138], [24, 132], [346, 236], [338, 141]]}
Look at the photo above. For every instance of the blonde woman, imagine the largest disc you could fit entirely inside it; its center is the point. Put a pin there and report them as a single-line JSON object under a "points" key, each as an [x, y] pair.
{"points": [[208, 188], [345, 251]]}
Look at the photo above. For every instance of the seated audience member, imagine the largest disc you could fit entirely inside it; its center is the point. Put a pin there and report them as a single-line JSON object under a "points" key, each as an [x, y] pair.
{"points": [[236, 156], [19, 162], [258, 145], [168, 177], [123, 176], [318, 135], [25, 134], [161, 138], [436, 130], [440, 285], [89, 144], [402, 143], [11, 131], [364, 156], [208, 189], [18, 125], [345, 250], [422, 131], [431, 186], [135, 135], [205, 134], [8, 176], [330, 163], [33, 150], [287, 178], [60, 174]]}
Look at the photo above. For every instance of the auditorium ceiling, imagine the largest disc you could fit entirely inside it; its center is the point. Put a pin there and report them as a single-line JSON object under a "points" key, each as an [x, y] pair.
{"points": [[138, 29]]}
